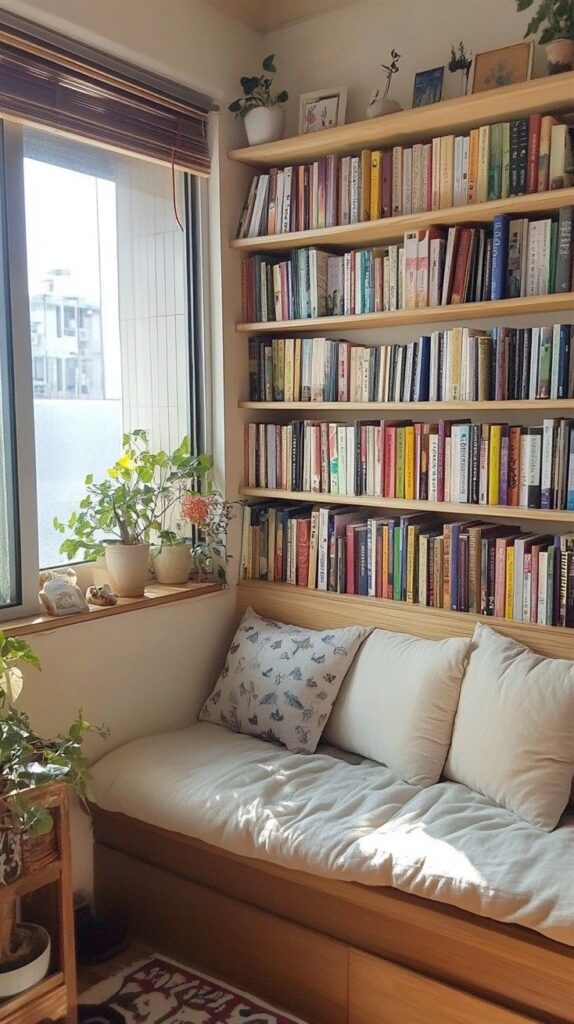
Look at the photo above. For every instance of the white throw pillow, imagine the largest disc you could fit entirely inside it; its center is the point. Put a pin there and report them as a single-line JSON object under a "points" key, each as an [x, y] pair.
{"points": [[398, 702], [280, 682], [513, 737]]}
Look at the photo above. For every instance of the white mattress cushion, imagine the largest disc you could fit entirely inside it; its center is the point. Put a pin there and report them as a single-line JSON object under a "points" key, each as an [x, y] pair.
{"points": [[513, 737], [279, 682], [398, 702], [351, 821]]}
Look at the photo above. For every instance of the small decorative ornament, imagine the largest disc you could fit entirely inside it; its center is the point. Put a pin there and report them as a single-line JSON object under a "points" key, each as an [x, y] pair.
{"points": [[380, 102], [460, 63], [60, 596], [101, 597]]}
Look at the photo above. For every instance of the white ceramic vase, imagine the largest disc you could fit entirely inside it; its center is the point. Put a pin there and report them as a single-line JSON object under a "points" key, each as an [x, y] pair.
{"points": [[172, 563], [380, 105], [22, 978], [127, 565], [264, 124], [560, 55]]}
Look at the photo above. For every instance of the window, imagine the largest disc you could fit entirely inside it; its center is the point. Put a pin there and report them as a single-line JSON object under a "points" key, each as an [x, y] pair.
{"points": [[100, 280]]}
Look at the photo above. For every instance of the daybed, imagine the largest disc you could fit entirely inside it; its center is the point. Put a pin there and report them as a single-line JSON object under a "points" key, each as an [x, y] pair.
{"points": [[326, 883]]}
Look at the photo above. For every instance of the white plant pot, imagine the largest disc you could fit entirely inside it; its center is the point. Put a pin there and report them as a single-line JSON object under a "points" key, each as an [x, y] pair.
{"points": [[22, 978], [560, 55], [380, 105], [172, 563], [128, 568], [264, 124]]}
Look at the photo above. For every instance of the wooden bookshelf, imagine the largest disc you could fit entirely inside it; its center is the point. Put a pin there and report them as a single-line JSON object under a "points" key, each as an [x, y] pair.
{"points": [[545, 95], [500, 309], [321, 609], [391, 229], [416, 505], [542, 405]]}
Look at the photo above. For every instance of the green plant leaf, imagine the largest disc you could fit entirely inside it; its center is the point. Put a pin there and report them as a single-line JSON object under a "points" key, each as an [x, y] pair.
{"points": [[283, 96], [269, 63]]}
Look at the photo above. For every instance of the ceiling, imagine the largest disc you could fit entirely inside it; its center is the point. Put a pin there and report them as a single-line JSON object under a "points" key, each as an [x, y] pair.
{"points": [[266, 15]]}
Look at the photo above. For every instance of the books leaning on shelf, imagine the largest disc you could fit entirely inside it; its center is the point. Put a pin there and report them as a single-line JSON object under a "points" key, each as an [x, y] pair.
{"points": [[467, 566], [492, 162], [456, 461], [510, 258], [461, 364]]}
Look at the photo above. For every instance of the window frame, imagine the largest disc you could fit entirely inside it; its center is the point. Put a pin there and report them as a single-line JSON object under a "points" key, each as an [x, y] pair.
{"points": [[24, 453]]}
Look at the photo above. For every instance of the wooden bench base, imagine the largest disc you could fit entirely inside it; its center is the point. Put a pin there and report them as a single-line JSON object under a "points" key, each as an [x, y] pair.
{"points": [[330, 952]]}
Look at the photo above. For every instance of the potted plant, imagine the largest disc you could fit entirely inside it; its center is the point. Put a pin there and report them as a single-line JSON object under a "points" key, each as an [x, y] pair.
{"points": [[460, 62], [119, 516], [557, 17], [262, 112], [210, 514], [27, 840], [380, 102]]}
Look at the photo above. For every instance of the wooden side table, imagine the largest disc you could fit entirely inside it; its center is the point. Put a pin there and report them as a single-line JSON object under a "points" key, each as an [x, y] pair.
{"points": [[46, 893]]}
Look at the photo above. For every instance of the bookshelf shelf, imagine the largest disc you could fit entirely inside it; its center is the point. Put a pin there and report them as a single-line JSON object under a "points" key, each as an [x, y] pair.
{"points": [[532, 305], [564, 405], [391, 229], [320, 609], [551, 94], [414, 504]]}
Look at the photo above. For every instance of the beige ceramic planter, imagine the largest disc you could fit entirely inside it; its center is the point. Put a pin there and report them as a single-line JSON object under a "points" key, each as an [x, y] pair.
{"points": [[560, 55], [172, 563], [127, 566]]}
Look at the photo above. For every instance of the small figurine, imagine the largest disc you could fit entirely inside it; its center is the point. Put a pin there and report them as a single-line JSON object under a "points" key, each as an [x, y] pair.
{"points": [[61, 596], [101, 597]]}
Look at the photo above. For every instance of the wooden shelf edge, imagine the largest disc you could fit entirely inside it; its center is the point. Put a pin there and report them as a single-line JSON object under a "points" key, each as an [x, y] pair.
{"points": [[553, 93], [529, 305], [416, 505], [554, 641], [530, 405], [390, 229], [31, 881], [31, 995]]}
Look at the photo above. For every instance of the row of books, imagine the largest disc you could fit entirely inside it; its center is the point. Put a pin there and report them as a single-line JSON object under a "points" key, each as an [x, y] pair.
{"points": [[468, 566], [493, 162], [461, 364], [458, 461], [507, 259]]}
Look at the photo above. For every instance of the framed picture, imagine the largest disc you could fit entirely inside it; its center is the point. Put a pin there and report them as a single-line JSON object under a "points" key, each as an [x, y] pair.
{"points": [[506, 66], [428, 87], [324, 109]]}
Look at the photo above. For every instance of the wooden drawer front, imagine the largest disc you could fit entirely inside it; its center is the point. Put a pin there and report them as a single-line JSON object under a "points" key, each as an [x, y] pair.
{"points": [[49, 1008], [382, 993]]}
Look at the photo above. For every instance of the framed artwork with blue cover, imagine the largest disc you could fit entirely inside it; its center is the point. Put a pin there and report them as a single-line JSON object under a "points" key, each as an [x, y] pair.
{"points": [[428, 87]]}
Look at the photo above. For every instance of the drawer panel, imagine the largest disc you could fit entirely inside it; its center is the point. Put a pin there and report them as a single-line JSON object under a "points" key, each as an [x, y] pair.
{"points": [[382, 993]]}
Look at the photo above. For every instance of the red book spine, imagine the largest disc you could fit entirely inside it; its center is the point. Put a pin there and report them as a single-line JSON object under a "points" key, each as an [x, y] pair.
{"points": [[534, 585], [387, 184], [460, 269], [389, 461], [534, 126], [380, 483], [303, 538], [350, 554]]}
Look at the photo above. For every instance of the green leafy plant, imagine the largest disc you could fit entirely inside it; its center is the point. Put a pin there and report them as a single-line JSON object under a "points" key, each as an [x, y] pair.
{"points": [[26, 759], [557, 14], [257, 90], [136, 500]]}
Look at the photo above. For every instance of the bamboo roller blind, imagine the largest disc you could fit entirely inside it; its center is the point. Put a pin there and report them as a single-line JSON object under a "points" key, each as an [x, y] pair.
{"points": [[46, 86]]}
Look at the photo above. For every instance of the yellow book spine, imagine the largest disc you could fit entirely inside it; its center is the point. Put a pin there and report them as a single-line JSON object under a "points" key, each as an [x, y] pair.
{"points": [[472, 165], [409, 462], [494, 464], [376, 161], [509, 595], [483, 155], [365, 199]]}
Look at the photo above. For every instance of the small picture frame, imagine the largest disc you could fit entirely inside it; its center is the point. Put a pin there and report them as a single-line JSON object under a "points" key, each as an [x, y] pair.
{"points": [[428, 87], [323, 109], [509, 65]]}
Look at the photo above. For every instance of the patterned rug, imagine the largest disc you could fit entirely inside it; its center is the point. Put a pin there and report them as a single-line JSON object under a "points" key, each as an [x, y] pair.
{"points": [[161, 991]]}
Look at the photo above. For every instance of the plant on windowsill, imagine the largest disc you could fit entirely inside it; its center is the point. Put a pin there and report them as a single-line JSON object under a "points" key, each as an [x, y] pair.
{"points": [[556, 18], [28, 839], [119, 516], [210, 515], [262, 112]]}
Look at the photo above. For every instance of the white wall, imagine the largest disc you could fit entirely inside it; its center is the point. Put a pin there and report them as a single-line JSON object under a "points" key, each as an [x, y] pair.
{"points": [[348, 46], [145, 671]]}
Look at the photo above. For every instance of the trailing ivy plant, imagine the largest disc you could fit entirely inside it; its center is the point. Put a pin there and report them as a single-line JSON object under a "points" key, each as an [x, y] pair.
{"points": [[558, 15], [26, 759], [257, 90], [136, 499]]}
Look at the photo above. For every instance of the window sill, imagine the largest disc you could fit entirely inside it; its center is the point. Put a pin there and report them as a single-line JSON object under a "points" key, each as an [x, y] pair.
{"points": [[155, 594]]}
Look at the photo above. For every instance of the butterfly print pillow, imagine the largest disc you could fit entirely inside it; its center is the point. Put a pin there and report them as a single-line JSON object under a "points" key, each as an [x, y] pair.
{"points": [[280, 682]]}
